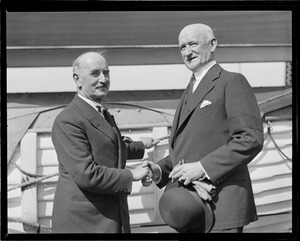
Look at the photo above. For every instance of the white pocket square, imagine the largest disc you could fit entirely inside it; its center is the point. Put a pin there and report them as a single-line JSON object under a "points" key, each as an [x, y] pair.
{"points": [[205, 103]]}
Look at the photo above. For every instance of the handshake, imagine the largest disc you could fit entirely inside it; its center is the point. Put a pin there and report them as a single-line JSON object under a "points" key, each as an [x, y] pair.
{"points": [[149, 172]]}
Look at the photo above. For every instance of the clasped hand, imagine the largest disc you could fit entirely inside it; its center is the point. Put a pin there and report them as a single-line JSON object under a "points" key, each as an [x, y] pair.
{"points": [[186, 173], [141, 172], [193, 173]]}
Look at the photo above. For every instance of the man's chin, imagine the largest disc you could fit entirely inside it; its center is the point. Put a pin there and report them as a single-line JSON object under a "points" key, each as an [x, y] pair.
{"points": [[100, 96]]}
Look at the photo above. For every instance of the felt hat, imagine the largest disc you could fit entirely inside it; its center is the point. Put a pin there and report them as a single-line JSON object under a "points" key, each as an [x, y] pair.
{"points": [[182, 209]]}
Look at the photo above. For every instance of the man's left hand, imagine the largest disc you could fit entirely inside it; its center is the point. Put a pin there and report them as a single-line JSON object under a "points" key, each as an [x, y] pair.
{"points": [[187, 172]]}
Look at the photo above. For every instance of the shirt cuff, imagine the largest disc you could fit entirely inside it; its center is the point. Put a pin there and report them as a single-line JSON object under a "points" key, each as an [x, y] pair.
{"points": [[205, 174], [158, 175]]}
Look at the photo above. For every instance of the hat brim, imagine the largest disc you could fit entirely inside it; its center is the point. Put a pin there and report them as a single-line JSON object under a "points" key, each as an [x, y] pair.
{"points": [[182, 209]]}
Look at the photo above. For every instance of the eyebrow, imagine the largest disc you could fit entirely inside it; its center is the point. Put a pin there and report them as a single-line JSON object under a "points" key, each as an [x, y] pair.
{"points": [[98, 70]]}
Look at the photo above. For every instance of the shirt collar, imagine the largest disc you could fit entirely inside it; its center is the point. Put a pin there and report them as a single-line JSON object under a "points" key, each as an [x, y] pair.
{"points": [[202, 71], [92, 103]]}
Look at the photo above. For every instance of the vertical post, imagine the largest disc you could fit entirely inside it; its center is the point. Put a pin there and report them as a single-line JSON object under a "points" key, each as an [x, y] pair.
{"points": [[161, 150], [29, 203]]}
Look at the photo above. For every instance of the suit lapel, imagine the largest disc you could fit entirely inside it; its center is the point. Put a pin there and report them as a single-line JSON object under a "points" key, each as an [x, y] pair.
{"points": [[177, 115], [204, 87], [113, 124], [95, 119]]}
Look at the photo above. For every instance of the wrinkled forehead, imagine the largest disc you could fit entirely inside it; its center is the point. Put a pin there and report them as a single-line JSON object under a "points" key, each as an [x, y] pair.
{"points": [[92, 61], [200, 32]]}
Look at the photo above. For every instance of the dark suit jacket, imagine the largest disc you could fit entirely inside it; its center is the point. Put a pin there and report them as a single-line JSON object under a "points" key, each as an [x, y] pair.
{"points": [[224, 136], [92, 189]]}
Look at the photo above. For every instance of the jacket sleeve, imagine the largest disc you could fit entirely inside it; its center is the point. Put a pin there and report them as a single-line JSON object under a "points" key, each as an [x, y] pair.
{"points": [[135, 149], [76, 159], [166, 167], [245, 129]]}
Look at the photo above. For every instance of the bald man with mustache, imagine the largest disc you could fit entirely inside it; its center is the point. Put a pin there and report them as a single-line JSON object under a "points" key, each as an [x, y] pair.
{"points": [[93, 184]]}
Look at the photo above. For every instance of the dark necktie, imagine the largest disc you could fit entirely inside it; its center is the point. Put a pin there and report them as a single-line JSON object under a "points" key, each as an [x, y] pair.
{"points": [[103, 110], [110, 119]]}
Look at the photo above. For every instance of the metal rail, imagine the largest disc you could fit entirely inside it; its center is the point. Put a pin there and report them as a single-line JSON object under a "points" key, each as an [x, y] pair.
{"points": [[75, 47]]}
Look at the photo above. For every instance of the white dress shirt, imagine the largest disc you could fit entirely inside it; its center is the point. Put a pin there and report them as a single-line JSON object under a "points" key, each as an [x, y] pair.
{"points": [[199, 76], [201, 73], [92, 103]]}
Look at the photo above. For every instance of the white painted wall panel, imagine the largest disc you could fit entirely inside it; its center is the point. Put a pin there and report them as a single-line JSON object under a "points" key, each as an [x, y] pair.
{"points": [[261, 185], [46, 191], [45, 209], [266, 74], [139, 218], [270, 173], [44, 141], [137, 77], [274, 208], [13, 174]]}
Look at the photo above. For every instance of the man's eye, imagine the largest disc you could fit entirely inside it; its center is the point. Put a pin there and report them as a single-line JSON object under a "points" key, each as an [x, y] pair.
{"points": [[194, 44], [182, 48], [95, 74]]}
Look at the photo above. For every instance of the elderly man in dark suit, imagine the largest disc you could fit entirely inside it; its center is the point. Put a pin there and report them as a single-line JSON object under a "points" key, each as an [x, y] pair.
{"points": [[217, 131], [93, 184]]}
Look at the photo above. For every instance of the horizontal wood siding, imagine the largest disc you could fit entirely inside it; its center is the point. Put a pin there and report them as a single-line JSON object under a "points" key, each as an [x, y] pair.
{"points": [[14, 197], [270, 172], [271, 175]]}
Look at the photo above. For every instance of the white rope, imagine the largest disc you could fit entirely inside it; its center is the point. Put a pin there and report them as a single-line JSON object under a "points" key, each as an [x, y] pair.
{"points": [[71, 47]]}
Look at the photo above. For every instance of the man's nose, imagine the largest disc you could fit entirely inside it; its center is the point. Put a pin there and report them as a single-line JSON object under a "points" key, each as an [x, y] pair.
{"points": [[187, 50], [102, 77]]}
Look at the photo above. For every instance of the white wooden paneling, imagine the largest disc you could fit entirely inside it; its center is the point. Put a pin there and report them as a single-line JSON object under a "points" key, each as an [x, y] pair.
{"points": [[137, 188], [44, 141], [15, 227], [274, 73], [269, 157], [48, 170], [47, 157], [139, 218], [14, 210], [281, 181], [45, 209], [171, 76], [14, 197], [29, 194], [140, 202], [270, 224], [279, 140], [274, 196], [265, 172], [275, 208], [271, 175], [13, 174], [271, 178], [46, 191]]}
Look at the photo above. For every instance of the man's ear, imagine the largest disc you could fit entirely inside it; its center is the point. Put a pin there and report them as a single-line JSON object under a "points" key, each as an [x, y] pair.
{"points": [[75, 77], [76, 80], [213, 43]]}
